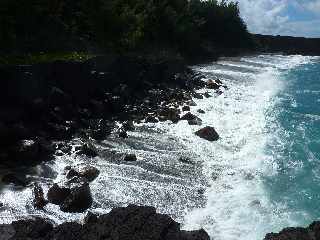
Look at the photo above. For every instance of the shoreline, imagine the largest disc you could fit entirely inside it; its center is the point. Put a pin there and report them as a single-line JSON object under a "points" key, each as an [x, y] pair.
{"points": [[188, 98]]}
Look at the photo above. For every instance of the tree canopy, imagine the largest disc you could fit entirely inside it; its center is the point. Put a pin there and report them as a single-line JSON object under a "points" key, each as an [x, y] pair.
{"points": [[119, 25]]}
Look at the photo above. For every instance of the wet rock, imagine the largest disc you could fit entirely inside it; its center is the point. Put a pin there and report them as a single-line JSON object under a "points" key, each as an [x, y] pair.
{"points": [[192, 103], [100, 129], [207, 95], [201, 111], [36, 228], [186, 160], [122, 133], [90, 218], [201, 191], [90, 173], [151, 119], [208, 133], [188, 116], [67, 168], [171, 114], [79, 199], [128, 126], [218, 81], [130, 158], [63, 148], [310, 233], [72, 173], [123, 223], [211, 84], [15, 180], [38, 197], [57, 194], [89, 150], [185, 108], [219, 92], [57, 97], [197, 95], [162, 119], [196, 121]]}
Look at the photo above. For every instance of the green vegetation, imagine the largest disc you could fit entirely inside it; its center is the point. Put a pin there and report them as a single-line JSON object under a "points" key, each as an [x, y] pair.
{"points": [[183, 26], [44, 57]]}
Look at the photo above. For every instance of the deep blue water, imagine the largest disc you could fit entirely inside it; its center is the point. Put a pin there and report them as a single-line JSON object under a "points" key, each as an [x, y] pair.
{"points": [[295, 145]]}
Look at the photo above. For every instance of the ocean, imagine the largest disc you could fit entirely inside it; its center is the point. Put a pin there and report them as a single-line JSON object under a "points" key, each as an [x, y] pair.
{"points": [[261, 176]]}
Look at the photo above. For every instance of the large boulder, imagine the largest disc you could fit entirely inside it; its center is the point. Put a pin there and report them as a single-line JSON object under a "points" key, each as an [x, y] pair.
{"points": [[130, 158], [74, 196], [185, 108], [88, 149], [309, 233], [188, 116], [38, 197], [57, 194], [15, 180], [196, 121], [192, 119], [213, 84], [128, 126], [90, 173], [79, 199], [208, 133], [170, 113], [151, 119]]}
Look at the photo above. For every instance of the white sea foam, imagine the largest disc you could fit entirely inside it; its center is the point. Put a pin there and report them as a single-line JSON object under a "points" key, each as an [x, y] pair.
{"points": [[238, 207]]}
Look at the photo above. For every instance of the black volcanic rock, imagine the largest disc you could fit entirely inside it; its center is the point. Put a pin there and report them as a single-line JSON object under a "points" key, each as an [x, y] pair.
{"points": [[185, 108], [208, 133], [130, 158], [57, 194], [12, 178], [90, 173], [310, 233], [38, 197], [79, 199], [213, 84], [188, 116], [124, 223], [89, 150]]}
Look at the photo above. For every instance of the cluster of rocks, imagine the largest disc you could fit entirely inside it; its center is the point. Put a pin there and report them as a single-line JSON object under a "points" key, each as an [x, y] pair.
{"points": [[125, 223], [309, 233], [45, 104], [74, 195], [61, 100]]}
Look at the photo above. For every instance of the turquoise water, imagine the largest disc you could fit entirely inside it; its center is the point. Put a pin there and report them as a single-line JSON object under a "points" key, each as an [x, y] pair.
{"points": [[295, 146]]}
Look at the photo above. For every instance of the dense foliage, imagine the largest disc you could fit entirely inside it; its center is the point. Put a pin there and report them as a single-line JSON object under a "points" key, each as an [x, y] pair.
{"points": [[119, 25]]}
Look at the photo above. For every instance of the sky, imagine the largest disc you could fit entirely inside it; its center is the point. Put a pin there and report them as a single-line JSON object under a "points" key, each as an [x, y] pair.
{"points": [[282, 17]]}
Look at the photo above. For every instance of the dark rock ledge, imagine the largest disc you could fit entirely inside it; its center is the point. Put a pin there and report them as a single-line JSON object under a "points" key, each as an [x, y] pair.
{"points": [[309, 233], [129, 223]]}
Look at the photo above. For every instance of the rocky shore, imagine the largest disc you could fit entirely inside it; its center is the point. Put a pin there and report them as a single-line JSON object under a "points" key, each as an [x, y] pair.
{"points": [[130, 223], [58, 101], [309, 233], [45, 106]]}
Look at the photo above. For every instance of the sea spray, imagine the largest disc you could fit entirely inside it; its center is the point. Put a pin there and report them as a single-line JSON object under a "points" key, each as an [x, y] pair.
{"points": [[238, 205]]}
